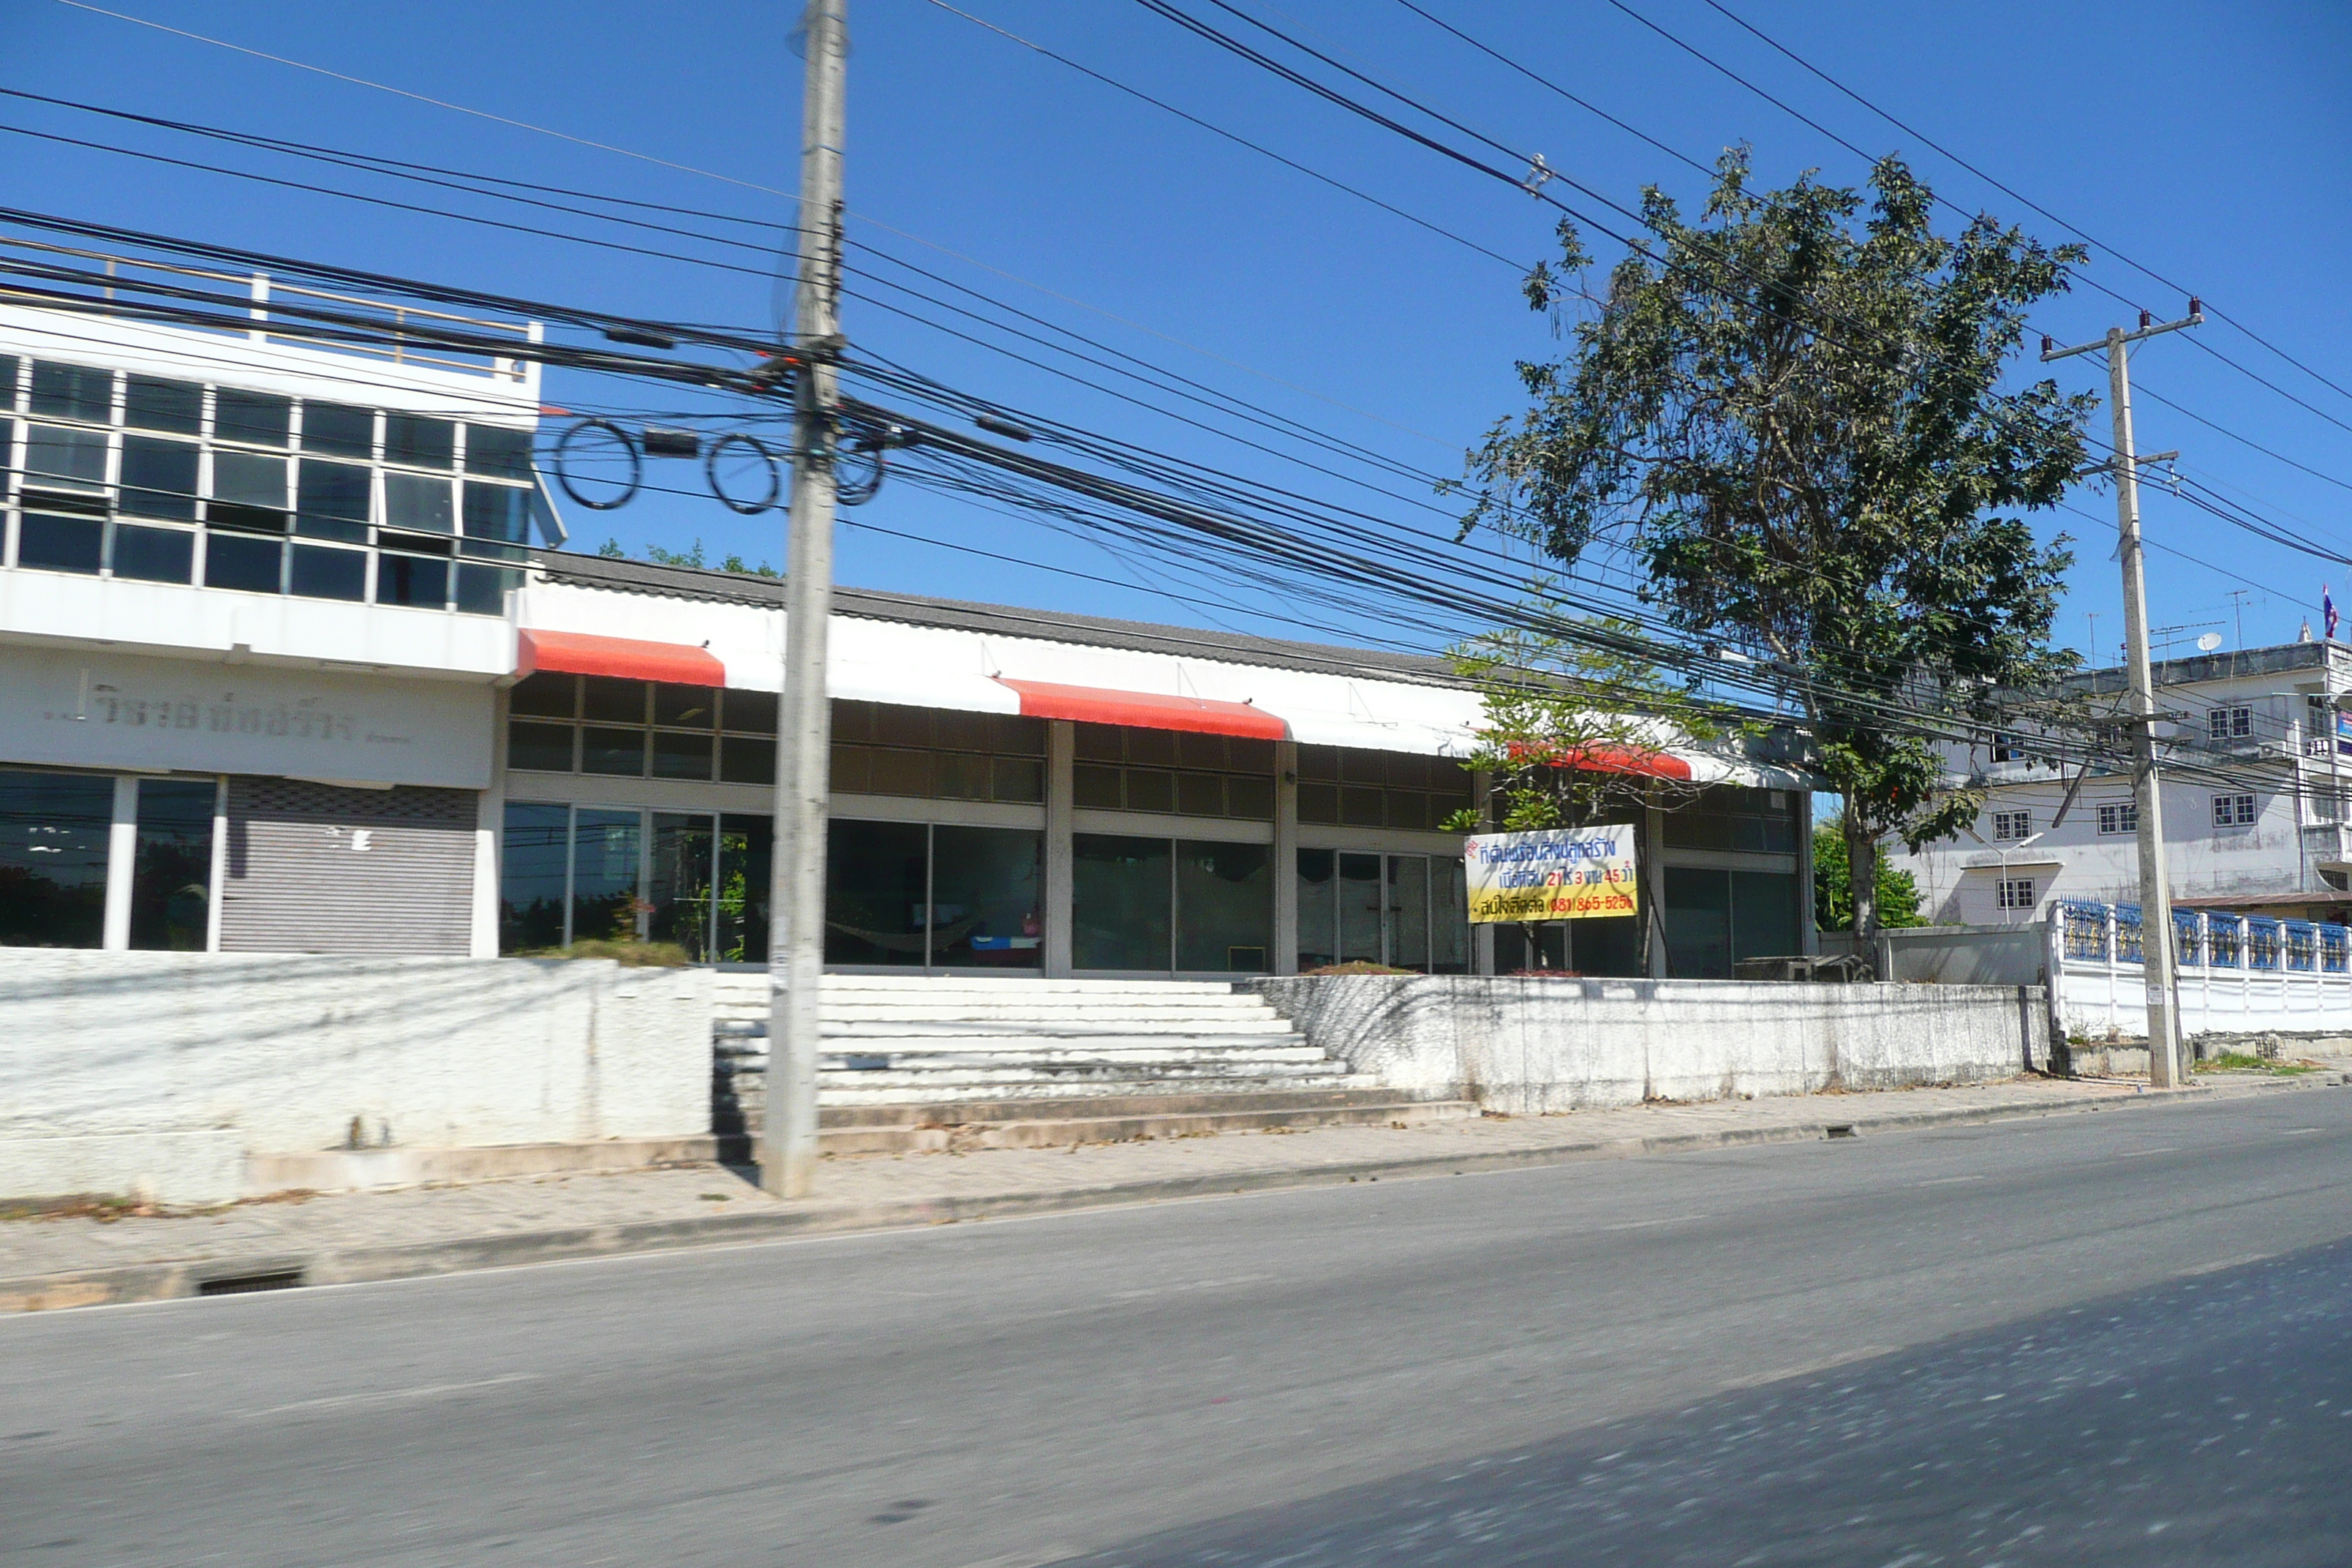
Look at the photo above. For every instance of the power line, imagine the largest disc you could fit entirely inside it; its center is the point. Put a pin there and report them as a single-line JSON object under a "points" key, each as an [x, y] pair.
{"points": [[2015, 196], [420, 98]]}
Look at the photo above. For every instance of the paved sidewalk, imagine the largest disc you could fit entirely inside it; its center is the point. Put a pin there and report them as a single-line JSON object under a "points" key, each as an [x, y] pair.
{"points": [[86, 1261]]}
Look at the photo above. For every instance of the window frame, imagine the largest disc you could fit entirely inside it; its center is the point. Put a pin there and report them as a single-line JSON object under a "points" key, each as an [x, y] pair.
{"points": [[478, 571]]}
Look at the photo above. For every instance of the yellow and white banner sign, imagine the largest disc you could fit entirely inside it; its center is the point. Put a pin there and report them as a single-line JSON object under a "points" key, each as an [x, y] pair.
{"points": [[1560, 874]]}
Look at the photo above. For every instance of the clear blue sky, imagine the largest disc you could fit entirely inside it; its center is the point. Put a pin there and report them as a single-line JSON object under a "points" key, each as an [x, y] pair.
{"points": [[2205, 140]]}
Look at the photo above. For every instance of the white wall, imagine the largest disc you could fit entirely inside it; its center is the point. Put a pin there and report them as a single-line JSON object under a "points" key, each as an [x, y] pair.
{"points": [[166, 1069], [1957, 878], [101, 708], [1533, 1047]]}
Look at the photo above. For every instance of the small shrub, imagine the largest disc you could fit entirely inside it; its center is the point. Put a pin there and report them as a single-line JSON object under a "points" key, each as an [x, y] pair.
{"points": [[627, 954]]}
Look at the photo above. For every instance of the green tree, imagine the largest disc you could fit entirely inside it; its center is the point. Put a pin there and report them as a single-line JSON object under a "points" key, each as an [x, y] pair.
{"points": [[1899, 894], [1792, 410]]}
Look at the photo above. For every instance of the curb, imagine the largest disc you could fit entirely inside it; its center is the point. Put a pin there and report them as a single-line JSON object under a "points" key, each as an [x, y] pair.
{"points": [[267, 1270]]}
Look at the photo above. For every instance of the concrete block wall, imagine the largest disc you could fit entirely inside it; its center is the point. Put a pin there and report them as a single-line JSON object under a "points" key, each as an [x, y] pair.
{"points": [[164, 1073], [1534, 1046]]}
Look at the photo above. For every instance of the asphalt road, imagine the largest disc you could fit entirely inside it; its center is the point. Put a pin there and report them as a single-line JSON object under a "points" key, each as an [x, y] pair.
{"points": [[2076, 1339]]}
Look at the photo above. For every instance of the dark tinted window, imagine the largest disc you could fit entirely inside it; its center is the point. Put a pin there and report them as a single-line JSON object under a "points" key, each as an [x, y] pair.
{"points": [[8, 364], [546, 694], [60, 543], [154, 554], [411, 501], [343, 431], [493, 449], [422, 443], [74, 391], [482, 590], [159, 478], [249, 480], [233, 562], [497, 512], [58, 452], [255, 418], [332, 490], [412, 580], [150, 403], [319, 573]]}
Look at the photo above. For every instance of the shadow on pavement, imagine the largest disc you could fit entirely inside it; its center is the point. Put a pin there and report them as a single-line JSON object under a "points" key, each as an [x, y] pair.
{"points": [[2207, 1420]]}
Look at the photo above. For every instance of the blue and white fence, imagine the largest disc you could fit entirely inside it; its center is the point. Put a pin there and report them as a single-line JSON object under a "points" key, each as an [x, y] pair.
{"points": [[2236, 973]]}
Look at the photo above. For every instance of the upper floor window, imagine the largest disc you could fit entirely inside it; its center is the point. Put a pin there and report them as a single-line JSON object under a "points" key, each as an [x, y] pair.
{"points": [[2123, 818], [937, 753], [2005, 748], [1733, 816], [1123, 769], [639, 729], [2228, 723], [2233, 811], [105, 473], [2012, 825], [1344, 786]]}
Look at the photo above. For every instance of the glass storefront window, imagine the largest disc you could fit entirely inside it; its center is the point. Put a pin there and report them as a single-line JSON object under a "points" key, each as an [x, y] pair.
{"points": [[678, 881], [1715, 918], [53, 844], [1120, 905], [1318, 909], [172, 871], [739, 924], [1362, 901], [704, 876], [1224, 906], [1449, 917], [605, 871], [1409, 912], [878, 893], [533, 877], [988, 901]]}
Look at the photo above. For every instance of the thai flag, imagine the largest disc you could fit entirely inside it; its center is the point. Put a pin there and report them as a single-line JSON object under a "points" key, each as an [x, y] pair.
{"points": [[2326, 613]]}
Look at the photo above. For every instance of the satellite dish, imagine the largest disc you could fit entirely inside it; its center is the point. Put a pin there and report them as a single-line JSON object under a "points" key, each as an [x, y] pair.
{"points": [[2208, 642]]}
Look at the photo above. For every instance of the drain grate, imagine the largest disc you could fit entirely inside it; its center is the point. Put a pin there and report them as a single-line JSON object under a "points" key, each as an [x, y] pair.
{"points": [[243, 1284], [1840, 1130]]}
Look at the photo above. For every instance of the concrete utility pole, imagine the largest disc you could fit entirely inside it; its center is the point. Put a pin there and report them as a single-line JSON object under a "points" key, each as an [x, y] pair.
{"points": [[804, 728], [2155, 890]]}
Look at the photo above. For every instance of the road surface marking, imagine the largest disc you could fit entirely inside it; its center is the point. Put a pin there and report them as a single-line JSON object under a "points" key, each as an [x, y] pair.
{"points": [[385, 1396]]}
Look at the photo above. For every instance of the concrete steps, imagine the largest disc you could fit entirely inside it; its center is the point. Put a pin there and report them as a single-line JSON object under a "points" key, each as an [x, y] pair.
{"points": [[1113, 1119], [915, 1062]]}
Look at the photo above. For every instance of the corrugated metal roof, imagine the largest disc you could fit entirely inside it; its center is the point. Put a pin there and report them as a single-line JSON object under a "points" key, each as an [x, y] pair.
{"points": [[617, 574]]}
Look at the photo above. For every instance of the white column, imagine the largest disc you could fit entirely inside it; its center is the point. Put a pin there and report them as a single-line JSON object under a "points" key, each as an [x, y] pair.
{"points": [[217, 884], [489, 842], [1653, 869], [1482, 937], [1061, 745], [122, 859], [1284, 959], [489, 848]]}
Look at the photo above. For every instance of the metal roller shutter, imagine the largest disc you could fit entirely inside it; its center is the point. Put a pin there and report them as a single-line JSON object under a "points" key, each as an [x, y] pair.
{"points": [[318, 868]]}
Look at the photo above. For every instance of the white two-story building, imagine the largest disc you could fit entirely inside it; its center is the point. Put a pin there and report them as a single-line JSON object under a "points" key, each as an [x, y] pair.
{"points": [[2255, 813], [286, 664]]}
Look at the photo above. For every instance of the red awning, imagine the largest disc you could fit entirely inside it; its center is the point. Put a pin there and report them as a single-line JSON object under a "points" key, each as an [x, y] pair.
{"points": [[1633, 760], [1146, 709], [583, 653]]}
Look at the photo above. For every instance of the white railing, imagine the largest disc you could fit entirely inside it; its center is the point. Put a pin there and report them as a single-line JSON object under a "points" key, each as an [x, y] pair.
{"points": [[2234, 974], [408, 334]]}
